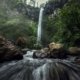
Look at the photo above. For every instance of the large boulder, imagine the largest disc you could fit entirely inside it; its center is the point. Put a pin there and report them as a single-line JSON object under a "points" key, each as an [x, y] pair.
{"points": [[54, 45], [74, 50], [41, 53], [54, 50], [8, 51], [58, 53], [57, 50], [21, 42]]}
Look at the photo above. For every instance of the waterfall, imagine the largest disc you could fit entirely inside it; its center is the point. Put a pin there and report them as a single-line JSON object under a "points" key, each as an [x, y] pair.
{"points": [[39, 31]]}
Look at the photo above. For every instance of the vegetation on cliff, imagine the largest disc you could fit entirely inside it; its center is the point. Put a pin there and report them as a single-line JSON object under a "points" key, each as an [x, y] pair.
{"points": [[61, 22]]}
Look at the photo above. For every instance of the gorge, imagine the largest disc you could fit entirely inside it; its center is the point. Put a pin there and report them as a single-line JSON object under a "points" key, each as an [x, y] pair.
{"points": [[20, 59]]}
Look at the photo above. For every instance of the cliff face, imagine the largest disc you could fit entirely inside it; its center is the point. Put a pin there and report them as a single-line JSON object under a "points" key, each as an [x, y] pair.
{"points": [[16, 8], [53, 5], [11, 9]]}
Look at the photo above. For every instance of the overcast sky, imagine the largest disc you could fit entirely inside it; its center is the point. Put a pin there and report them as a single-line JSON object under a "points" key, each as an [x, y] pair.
{"points": [[39, 2]]}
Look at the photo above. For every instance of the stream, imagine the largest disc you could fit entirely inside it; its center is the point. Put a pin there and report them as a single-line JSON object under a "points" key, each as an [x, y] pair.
{"points": [[39, 69]]}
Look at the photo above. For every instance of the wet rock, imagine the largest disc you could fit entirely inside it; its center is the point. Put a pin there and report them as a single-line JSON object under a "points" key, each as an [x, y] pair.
{"points": [[54, 50], [57, 50], [24, 50], [54, 45], [58, 53], [8, 51], [21, 42], [74, 50], [39, 54]]}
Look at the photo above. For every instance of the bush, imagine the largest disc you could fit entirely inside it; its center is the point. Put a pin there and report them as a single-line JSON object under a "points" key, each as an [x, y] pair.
{"points": [[67, 23]]}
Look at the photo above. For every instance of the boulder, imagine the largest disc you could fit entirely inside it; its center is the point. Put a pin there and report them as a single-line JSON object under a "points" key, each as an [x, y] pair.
{"points": [[21, 42], [41, 53], [58, 53], [50, 46], [54, 50], [24, 50], [53, 46], [8, 51], [74, 50], [57, 50]]}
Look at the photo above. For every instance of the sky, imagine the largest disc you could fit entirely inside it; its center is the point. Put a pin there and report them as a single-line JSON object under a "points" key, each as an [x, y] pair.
{"points": [[38, 1]]}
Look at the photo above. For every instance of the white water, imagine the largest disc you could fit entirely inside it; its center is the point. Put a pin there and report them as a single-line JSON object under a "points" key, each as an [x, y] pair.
{"points": [[39, 31], [39, 69]]}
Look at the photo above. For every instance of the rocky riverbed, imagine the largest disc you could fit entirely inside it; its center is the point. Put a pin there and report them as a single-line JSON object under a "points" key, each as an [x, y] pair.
{"points": [[51, 63], [39, 69]]}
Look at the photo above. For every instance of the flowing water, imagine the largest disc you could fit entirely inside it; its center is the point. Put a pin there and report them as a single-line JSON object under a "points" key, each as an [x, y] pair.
{"points": [[40, 26], [39, 69]]}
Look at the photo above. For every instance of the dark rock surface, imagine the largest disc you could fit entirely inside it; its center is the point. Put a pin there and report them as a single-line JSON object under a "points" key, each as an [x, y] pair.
{"points": [[74, 50], [21, 42], [8, 51], [54, 50], [58, 51], [40, 69]]}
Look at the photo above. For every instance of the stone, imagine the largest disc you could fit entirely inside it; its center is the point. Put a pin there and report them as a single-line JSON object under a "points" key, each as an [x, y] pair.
{"points": [[54, 45], [41, 53], [24, 50], [21, 42], [58, 53], [54, 50], [74, 50], [8, 51]]}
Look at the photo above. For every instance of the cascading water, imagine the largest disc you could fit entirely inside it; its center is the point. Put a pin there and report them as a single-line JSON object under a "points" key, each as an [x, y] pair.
{"points": [[39, 69], [39, 31]]}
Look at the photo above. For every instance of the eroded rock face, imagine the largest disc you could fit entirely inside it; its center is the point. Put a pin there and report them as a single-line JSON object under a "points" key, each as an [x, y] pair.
{"points": [[8, 51]]}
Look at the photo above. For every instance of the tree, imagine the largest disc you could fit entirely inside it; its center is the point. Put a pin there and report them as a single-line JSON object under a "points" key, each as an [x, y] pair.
{"points": [[68, 23], [14, 24]]}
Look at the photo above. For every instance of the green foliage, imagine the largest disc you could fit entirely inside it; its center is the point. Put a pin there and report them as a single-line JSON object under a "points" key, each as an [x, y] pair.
{"points": [[49, 28], [37, 46], [64, 26], [14, 24], [67, 23]]}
